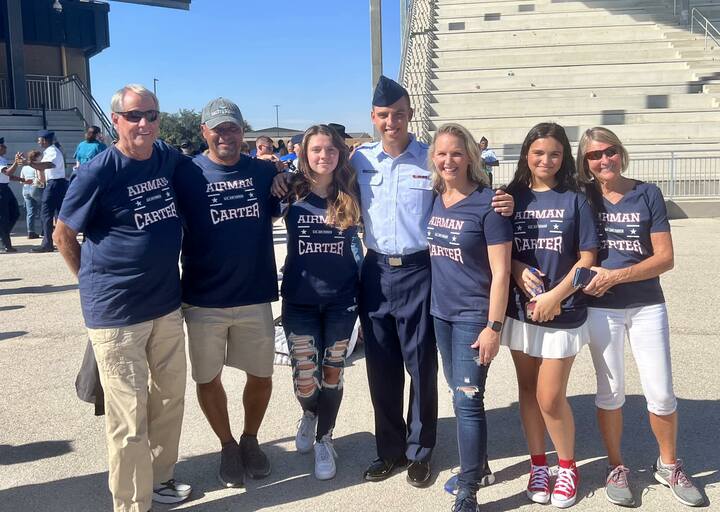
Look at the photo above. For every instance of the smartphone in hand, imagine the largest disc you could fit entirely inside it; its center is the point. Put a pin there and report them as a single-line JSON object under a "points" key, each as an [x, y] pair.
{"points": [[582, 277]]}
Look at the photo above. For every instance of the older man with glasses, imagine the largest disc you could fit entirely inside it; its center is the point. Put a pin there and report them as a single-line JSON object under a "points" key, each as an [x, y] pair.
{"points": [[127, 267]]}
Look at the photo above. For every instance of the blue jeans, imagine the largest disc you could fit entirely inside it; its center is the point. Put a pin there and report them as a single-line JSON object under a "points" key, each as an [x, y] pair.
{"points": [[467, 381], [33, 197], [318, 336]]}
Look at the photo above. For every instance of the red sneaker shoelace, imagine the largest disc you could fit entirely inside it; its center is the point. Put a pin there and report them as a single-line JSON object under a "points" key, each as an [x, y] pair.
{"points": [[566, 482]]}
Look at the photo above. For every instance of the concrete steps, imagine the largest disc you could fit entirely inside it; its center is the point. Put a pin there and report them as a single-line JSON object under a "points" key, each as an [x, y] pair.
{"points": [[500, 66]]}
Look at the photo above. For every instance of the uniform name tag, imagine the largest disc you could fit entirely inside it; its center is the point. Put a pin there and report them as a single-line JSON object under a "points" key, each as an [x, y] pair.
{"points": [[421, 176], [369, 171]]}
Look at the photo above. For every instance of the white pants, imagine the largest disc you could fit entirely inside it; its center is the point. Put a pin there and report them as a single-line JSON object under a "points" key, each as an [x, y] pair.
{"points": [[648, 331]]}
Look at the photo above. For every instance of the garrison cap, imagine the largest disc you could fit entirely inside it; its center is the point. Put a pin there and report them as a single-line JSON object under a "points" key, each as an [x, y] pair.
{"points": [[296, 139], [387, 92], [46, 134], [340, 129]]}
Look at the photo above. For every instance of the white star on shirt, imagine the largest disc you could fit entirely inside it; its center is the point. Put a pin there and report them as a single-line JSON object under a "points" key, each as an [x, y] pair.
{"points": [[250, 194], [518, 228], [214, 200], [139, 203], [167, 194], [454, 238], [304, 232], [555, 226], [632, 231]]}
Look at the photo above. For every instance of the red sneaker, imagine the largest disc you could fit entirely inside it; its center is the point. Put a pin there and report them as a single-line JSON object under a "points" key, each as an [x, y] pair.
{"points": [[565, 490], [538, 489]]}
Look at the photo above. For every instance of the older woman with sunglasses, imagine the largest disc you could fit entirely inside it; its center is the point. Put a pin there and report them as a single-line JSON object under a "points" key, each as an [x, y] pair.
{"points": [[636, 247]]}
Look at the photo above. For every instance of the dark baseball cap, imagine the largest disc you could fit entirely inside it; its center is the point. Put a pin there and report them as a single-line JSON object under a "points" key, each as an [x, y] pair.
{"points": [[221, 110]]}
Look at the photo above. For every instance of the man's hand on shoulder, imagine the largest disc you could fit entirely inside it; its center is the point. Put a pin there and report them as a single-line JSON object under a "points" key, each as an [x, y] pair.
{"points": [[503, 203]]}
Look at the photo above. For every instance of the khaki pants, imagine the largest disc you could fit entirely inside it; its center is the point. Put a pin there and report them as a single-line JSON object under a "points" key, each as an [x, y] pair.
{"points": [[142, 370]]}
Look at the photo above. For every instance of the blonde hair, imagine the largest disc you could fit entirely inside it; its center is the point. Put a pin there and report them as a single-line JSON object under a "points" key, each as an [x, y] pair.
{"points": [[343, 204], [475, 170], [598, 134], [116, 103]]}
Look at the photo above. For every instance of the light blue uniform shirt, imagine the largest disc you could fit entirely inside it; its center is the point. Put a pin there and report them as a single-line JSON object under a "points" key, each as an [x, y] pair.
{"points": [[396, 197]]}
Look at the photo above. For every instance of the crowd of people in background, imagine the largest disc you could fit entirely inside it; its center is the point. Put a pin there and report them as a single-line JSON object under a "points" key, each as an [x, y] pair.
{"points": [[568, 254]]}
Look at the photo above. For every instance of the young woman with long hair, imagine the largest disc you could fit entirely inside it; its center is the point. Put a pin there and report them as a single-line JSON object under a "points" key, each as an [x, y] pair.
{"points": [[320, 286], [554, 234]]}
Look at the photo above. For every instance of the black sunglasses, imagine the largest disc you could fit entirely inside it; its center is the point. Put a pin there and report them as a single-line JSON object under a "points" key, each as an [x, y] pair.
{"points": [[597, 155], [134, 116]]}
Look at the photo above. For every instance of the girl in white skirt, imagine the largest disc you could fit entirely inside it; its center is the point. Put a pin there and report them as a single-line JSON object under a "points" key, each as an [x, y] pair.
{"points": [[554, 234]]}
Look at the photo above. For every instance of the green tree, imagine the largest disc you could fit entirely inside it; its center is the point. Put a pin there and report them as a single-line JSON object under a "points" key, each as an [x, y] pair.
{"points": [[184, 125]]}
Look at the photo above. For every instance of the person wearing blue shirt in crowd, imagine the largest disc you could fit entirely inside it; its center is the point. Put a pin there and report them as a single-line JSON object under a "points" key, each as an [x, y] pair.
{"points": [[123, 202], [627, 300], [554, 234], [320, 287], [229, 281], [396, 201], [90, 147], [32, 194], [470, 248]]}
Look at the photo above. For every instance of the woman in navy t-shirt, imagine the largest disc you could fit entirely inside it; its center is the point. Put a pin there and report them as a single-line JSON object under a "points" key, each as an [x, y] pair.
{"points": [[554, 234], [626, 298], [470, 247], [320, 286]]}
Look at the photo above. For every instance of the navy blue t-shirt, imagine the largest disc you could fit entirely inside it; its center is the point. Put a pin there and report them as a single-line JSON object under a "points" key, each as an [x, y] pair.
{"points": [[550, 228], [624, 230], [458, 237], [320, 267], [227, 251], [129, 259]]}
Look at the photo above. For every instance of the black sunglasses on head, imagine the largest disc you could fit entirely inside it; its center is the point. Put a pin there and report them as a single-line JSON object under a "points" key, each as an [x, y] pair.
{"points": [[134, 116], [597, 155]]}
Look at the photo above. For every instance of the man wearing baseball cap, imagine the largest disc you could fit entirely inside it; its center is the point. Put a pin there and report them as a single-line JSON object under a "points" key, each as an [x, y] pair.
{"points": [[228, 282]]}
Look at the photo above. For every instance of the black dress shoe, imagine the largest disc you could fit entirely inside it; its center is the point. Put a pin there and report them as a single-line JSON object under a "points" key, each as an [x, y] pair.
{"points": [[381, 469], [10, 249], [33, 236], [418, 473], [43, 249]]}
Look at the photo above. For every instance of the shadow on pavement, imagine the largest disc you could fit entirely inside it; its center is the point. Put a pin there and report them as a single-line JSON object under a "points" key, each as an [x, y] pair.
{"points": [[292, 477], [33, 451], [10, 308], [48, 288], [11, 334]]}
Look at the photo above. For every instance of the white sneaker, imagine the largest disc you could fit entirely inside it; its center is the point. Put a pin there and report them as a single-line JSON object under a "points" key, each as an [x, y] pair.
{"points": [[171, 492], [305, 437], [325, 458]]}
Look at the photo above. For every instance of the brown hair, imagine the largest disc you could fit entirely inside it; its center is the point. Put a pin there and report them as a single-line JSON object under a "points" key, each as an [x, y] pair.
{"points": [[343, 205], [34, 155]]}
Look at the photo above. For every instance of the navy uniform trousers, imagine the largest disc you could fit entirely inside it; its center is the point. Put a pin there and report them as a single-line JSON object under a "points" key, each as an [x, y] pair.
{"points": [[52, 199], [9, 213], [399, 336]]}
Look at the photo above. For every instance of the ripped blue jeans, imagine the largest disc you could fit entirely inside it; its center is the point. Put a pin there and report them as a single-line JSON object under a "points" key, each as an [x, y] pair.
{"points": [[467, 382], [318, 336]]}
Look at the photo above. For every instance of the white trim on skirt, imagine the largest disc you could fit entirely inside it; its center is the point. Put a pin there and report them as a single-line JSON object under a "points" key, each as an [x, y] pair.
{"points": [[545, 342]]}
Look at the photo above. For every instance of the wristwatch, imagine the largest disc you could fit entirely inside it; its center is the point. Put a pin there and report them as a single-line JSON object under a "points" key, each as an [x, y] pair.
{"points": [[495, 326]]}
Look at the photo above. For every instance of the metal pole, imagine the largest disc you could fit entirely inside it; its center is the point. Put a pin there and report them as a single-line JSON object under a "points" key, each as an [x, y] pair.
{"points": [[376, 43], [155, 81], [277, 120]]}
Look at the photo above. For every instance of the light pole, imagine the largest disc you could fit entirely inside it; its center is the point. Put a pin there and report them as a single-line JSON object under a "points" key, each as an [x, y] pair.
{"points": [[376, 43], [155, 81], [277, 120]]}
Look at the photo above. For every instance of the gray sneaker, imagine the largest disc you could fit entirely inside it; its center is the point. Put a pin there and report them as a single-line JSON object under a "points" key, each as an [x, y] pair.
{"points": [[679, 483], [256, 462], [617, 488], [231, 472]]}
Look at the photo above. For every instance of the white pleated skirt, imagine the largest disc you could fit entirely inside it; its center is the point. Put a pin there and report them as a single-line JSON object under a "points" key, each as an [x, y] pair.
{"points": [[545, 342]]}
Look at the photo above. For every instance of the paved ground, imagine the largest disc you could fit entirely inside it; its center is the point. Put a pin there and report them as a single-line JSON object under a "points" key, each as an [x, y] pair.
{"points": [[53, 459]]}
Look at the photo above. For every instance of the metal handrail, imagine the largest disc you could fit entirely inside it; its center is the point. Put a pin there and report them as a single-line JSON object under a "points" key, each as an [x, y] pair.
{"points": [[95, 111], [708, 27]]}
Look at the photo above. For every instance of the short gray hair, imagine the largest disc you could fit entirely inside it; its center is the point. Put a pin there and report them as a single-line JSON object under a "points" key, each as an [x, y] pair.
{"points": [[116, 103]]}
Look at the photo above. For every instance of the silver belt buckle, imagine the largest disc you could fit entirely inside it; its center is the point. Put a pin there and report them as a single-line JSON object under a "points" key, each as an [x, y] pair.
{"points": [[395, 261]]}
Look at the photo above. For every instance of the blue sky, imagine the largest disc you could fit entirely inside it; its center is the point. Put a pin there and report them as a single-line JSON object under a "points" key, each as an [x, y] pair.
{"points": [[311, 57]]}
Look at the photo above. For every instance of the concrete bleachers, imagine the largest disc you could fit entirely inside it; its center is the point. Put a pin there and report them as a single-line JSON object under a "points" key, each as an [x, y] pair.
{"points": [[501, 66]]}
